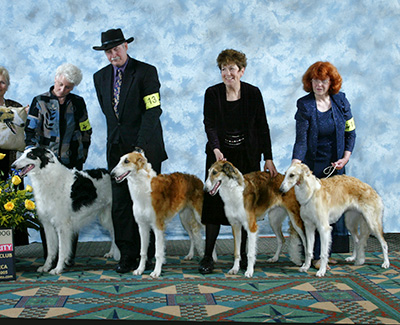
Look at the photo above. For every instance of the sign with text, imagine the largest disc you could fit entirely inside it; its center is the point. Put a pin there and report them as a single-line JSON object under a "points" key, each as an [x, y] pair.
{"points": [[7, 257]]}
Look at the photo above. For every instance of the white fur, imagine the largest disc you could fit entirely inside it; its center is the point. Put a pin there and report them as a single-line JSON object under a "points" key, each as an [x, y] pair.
{"points": [[52, 189], [322, 203], [139, 182], [230, 184]]}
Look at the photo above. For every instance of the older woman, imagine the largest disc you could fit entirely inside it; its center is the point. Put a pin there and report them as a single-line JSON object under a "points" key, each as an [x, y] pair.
{"points": [[10, 155], [59, 120], [325, 135], [237, 130]]}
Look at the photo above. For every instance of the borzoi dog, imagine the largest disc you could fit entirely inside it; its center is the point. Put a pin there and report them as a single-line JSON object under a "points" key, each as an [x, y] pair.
{"points": [[247, 198], [323, 201], [66, 200], [156, 200]]}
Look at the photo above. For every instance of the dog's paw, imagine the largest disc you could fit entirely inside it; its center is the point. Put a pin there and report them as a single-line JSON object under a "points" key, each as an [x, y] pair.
{"points": [[320, 273], [386, 265], [155, 274], [303, 269], [138, 272], [233, 271], [249, 273], [359, 262], [272, 259], [297, 262], [188, 257], [56, 271], [350, 259]]}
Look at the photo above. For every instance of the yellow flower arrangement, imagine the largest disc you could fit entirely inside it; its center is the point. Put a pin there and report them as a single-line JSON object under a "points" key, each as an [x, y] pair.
{"points": [[17, 207]]}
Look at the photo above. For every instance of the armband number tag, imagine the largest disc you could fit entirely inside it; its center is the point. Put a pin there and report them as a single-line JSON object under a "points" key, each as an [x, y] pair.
{"points": [[84, 126], [350, 125], [152, 100]]}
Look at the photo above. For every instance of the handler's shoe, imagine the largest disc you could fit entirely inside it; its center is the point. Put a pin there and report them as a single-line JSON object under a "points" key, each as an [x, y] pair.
{"points": [[206, 265]]}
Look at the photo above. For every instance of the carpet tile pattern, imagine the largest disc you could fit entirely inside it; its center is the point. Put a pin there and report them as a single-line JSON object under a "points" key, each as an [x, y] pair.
{"points": [[278, 292]]}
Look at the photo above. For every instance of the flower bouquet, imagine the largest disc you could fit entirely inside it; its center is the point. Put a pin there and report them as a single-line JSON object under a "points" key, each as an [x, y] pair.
{"points": [[17, 207]]}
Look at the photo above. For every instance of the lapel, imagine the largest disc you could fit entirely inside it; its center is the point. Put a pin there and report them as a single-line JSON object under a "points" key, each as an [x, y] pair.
{"points": [[127, 80], [108, 87]]}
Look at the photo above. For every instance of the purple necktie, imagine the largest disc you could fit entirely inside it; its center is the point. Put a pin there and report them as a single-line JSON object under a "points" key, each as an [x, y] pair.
{"points": [[117, 88]]}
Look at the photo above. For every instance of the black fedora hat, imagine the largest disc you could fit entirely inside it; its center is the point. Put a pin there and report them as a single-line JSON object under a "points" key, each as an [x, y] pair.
{"points": [[112, 38]]}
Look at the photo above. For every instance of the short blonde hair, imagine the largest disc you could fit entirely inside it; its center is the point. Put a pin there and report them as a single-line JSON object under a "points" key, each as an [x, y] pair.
{"points": [[71, 72], [5, 74]]}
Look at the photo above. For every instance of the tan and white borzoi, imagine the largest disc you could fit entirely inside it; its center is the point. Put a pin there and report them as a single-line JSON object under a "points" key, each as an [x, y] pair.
{"points": [[323, 201], [156, 200], [247, 198], [66, 200]]}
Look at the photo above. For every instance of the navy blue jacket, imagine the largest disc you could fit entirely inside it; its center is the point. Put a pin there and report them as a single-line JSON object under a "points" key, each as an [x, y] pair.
{"points": [[305, 147]]}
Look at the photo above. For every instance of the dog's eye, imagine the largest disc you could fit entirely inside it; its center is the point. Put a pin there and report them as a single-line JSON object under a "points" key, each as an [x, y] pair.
{"points": [[214, 172], [30, 155], [126, 161]]}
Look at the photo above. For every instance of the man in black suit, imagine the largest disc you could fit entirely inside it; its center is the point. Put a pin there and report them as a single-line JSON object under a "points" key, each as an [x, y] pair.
{"points": [[132, 110]]}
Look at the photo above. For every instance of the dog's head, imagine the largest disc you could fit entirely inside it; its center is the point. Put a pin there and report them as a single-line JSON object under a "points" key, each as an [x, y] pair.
{"points": [[34, 159], [220, 173], [130, 164], [295, 175]]}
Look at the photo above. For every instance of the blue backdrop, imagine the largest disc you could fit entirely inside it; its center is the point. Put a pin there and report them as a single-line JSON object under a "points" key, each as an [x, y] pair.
{"points": [[183, 38]]}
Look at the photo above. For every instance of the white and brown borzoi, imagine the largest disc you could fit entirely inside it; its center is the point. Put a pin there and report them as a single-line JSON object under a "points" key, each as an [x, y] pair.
{"points": [[156, 200], [247, 198], [323, 201], [66, 200]]}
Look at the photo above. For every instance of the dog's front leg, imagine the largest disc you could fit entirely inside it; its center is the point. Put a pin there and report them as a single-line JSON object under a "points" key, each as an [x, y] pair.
{"points": [[237, 239], [65, 236], [160, 251], [325, 237], [144, 231], [310, 235], [251, 253], [52, 247]]}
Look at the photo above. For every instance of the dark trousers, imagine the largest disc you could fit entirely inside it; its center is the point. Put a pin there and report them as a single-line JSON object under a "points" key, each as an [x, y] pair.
{"points": [[126, 230]]}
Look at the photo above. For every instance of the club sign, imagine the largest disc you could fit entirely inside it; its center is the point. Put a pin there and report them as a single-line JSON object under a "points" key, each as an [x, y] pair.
{"points": [[7, 258]]}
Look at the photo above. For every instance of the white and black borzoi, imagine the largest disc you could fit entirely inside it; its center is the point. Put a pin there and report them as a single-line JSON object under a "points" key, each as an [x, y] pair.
{"points": [[156, 200], [66, 200], [323, 201]]}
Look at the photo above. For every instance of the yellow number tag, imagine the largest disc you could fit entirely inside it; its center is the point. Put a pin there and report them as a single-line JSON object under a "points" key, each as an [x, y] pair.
{"points": [[152, 100], [350, 125], [84, 126]]}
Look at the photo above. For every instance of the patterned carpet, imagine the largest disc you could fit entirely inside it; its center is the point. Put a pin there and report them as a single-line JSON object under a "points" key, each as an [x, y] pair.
{"points": [[92, 290]]}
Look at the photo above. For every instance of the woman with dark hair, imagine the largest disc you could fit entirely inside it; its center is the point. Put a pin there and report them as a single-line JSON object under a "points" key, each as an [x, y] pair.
{"points": [[237, 130], [325, 136]]}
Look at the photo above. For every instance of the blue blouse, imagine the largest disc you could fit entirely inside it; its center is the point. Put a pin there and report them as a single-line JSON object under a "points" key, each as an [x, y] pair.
{"points": [[306, 144]]}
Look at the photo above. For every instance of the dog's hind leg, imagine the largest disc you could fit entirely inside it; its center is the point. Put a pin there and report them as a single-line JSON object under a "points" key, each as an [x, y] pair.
{"points": [[193, 229], [354, 220], [276, 217], [144, 231], [52, 247], [237, 239], [374, 221], [105, 218], [160, 252]]}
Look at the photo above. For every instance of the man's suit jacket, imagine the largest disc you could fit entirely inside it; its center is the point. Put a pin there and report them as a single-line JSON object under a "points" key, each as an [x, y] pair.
{"points": [[139, 109]]}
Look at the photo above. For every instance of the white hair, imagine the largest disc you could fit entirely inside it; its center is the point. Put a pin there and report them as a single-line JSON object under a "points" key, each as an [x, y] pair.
{"points": [[71, 72]]}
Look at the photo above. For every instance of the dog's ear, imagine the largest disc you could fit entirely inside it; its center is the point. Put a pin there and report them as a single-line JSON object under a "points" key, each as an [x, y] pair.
{"points": [[228, 169]]}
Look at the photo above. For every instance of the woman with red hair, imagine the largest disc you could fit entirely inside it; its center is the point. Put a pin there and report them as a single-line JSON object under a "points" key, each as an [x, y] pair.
{"points": [[325, 136]]}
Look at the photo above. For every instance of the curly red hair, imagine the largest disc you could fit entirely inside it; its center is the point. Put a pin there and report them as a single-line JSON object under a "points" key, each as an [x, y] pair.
{"points": [[321, 71]]}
